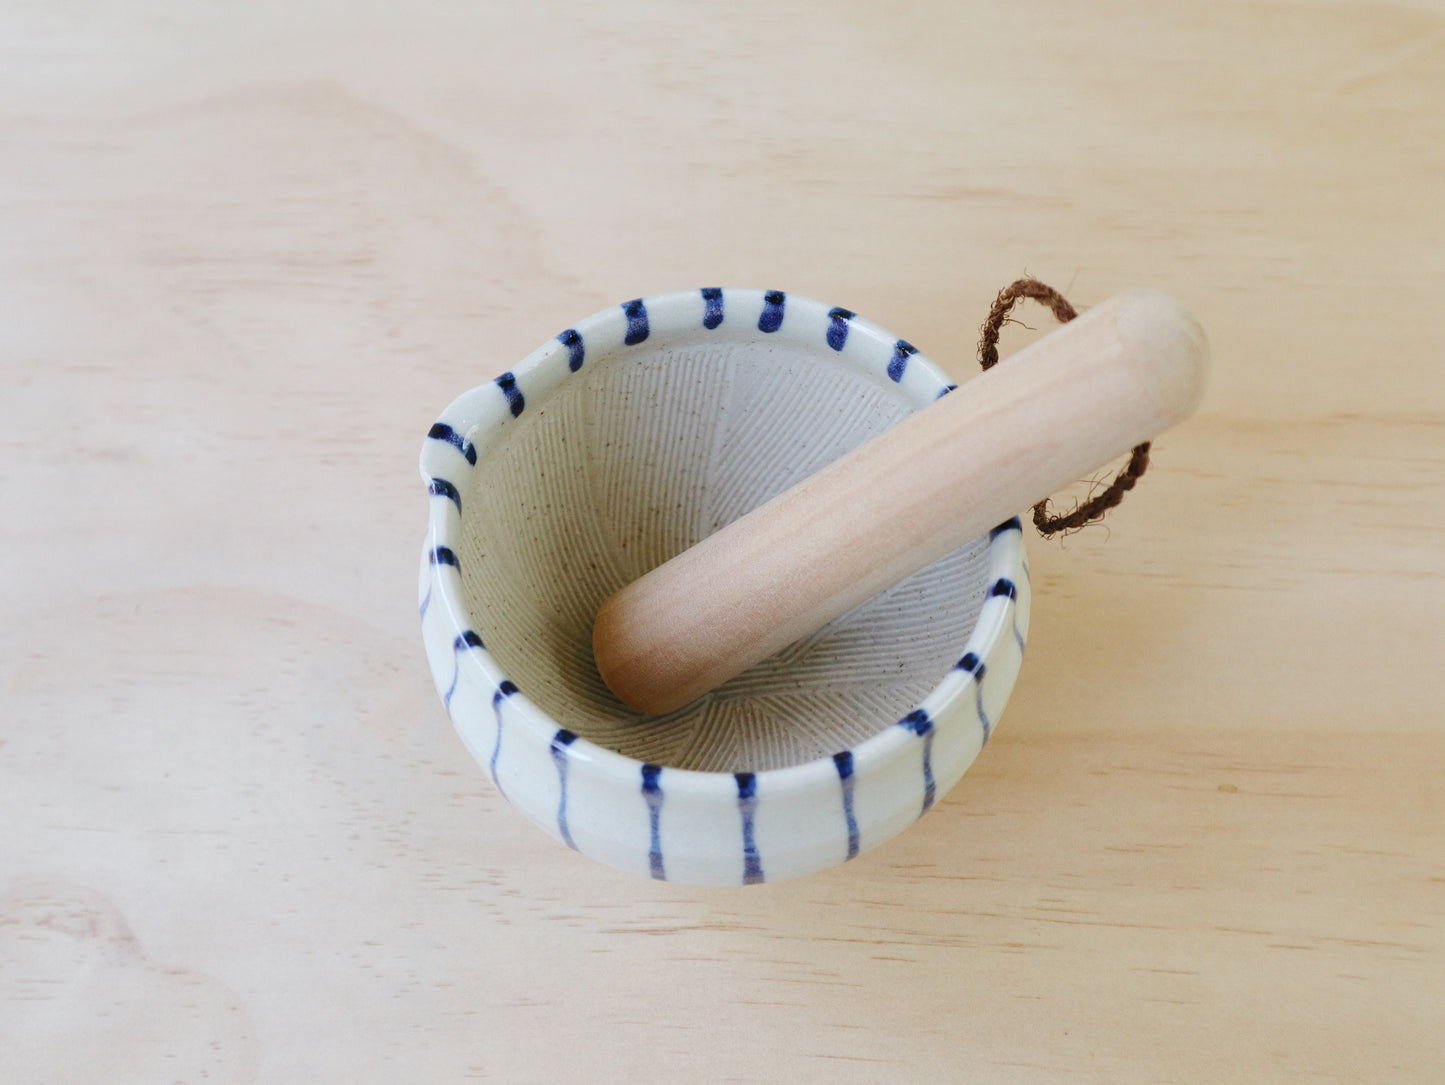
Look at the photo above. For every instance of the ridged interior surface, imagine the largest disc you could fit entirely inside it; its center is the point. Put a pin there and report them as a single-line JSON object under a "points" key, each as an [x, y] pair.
{"points": [[633, 460]]}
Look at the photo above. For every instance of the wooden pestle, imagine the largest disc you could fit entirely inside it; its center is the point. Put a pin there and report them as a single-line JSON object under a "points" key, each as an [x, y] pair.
{"points": [[1053, 413]]}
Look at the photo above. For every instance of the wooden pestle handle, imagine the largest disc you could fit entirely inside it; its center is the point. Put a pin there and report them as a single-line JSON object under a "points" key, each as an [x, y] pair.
{"points": [[1053, 413]]}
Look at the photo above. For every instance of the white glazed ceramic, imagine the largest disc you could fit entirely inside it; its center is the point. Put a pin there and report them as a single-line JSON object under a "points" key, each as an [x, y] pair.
{"points": [[620, 443]]}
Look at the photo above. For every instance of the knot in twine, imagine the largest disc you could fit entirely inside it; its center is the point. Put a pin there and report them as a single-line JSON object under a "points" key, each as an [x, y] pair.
{"points": [[1093, 510]]}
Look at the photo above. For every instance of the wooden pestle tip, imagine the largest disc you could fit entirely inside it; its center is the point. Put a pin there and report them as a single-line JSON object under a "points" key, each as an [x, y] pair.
{"points": [[1166, 349]]}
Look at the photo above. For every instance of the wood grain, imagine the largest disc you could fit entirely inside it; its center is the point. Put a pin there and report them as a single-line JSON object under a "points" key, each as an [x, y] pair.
{"points": [[248, 251]]}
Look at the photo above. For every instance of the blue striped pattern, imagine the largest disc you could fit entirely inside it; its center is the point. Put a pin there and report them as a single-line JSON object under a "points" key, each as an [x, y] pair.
{"points": [[560, 741], [748, 808], [440, 487], [516, 402], [772, 316], [652, 795], [444, 433], [843, 762], [576, 349], [898, 364], [971, 664], [637, 326], [452, 689], [930, 788], [713, 307], [466, 641], [1005, 588], [837, 333], [505, 690], [921, 724]]}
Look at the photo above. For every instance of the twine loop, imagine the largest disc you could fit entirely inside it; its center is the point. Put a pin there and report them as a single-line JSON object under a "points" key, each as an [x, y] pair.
{"points": [[1094, 509]]}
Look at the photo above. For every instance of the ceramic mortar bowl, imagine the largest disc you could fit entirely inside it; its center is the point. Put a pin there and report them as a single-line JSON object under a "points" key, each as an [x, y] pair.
{"points": [[620, 443]]}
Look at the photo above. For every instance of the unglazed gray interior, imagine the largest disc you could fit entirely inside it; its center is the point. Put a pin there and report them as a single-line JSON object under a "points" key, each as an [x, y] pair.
{"points": [[636, 458]]}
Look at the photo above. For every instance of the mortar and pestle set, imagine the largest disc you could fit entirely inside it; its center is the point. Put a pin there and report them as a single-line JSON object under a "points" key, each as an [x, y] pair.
{"points": [[727, 586]]}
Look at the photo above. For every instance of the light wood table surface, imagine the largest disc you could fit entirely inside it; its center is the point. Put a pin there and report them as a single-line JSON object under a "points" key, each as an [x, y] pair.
{"points": [[247, 253]]}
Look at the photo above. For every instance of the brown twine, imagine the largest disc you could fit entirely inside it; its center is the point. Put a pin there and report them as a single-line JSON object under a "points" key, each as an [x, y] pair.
{"points": [[1091, 511]]}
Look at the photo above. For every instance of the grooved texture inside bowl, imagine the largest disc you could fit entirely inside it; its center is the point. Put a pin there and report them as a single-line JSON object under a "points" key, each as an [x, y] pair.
{"points": [[636, 458]]}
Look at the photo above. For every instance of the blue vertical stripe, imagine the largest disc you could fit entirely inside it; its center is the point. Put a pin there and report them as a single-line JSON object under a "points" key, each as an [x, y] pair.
{"points": [[748, 808], [451, 689], [838, 327], [930, 788], [978, 668], [713, 315], [919, 722], [467, 640], [516, 402], [772, 316], [637, 328], [576, 349], [505, 690], [978, 705], [846, 781], [560, 741], [652, 795], [1006, 587], [902, 351]]}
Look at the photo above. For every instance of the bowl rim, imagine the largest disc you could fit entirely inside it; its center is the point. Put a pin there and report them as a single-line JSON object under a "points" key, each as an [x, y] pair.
{"points": [[471, 423]]}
